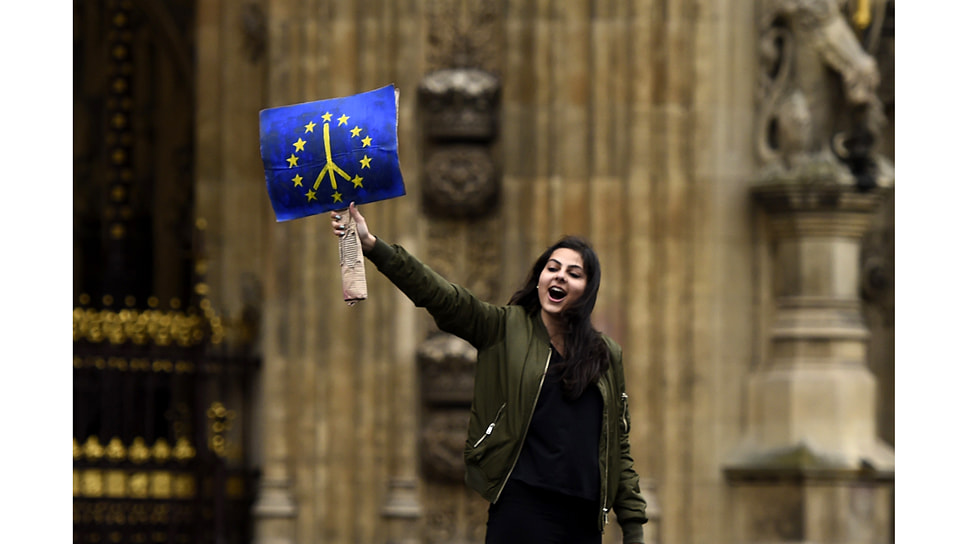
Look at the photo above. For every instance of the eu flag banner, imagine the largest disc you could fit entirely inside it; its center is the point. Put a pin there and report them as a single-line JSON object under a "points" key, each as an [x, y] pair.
{"points": [[320, 156]]}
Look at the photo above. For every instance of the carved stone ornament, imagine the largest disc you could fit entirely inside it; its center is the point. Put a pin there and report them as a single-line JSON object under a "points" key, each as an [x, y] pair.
{"points": [[442, 438], [461, 181], [459, 103], [254, 32], [462, 33], [446, 366], [820, 118]]}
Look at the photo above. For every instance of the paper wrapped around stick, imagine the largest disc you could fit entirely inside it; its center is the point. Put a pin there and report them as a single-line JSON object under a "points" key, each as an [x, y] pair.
{"points": [[351, 261]]}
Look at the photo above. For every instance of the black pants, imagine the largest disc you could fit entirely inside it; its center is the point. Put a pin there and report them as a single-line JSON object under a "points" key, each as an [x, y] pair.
{"points": [[529, 515]]}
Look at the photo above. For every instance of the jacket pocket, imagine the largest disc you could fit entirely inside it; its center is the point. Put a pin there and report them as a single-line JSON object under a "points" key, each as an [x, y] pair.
{"points": [[489, 429]]}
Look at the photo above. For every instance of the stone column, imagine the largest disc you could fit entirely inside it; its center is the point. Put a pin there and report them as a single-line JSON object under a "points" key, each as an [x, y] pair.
{"points": [[812, 468], [460, 187], [401, 510], [274, 511]]}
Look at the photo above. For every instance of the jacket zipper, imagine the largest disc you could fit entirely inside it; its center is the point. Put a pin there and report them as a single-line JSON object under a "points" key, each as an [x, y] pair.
{"points": [[625, 424], [605, 483], [625, 404], [490, 428], [526, 426]]}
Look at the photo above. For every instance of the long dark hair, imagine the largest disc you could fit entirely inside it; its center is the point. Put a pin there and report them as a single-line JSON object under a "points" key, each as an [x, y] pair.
{"points": [[586, 357]]}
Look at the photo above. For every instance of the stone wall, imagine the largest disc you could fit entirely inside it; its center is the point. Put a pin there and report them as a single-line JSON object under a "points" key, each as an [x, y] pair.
{"points": [[628, 122]]}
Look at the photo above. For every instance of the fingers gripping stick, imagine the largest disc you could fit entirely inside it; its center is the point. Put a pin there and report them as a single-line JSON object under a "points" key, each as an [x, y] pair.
{"points": [[351, 261]]}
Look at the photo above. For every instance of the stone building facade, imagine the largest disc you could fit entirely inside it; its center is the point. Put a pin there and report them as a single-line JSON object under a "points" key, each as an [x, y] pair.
{"points": [[729, 160]]}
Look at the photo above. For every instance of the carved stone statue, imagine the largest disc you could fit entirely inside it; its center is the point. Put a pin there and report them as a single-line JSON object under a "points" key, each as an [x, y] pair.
{"points": [[820, 118]]}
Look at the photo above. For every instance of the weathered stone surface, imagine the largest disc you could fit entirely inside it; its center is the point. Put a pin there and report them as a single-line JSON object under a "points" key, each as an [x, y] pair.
{"points": [[633, 124]]}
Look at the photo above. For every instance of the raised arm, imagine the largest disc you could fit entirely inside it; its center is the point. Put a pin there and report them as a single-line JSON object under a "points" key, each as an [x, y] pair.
{"points": [[455, 309]]}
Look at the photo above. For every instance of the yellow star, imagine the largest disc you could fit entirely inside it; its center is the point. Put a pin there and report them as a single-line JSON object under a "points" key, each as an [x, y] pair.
{"points": [[310, 196], [310, 126], [365, 162], [337, 197], [357, 181], [300, 144], [327, 116], [292, 160], [343, 119], [366, 141], [356, 131], [297, 181]]}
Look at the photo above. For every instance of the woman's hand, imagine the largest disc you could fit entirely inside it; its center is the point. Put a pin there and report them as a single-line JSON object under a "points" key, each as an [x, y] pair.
{"points": [[367, 240]]}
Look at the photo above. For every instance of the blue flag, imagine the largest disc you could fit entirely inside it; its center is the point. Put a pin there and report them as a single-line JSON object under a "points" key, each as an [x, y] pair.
{"points": [[320, 156]]}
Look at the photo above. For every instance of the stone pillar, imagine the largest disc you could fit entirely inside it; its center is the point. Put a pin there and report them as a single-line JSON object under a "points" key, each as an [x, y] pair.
{"points": [[811, 467], [274, 511], [401, 510], [652, 529], [460, 187]]}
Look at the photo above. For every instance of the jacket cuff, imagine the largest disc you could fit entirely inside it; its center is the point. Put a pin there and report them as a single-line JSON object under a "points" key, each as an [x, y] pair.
{"points": [[380, 253], [632, 533]]}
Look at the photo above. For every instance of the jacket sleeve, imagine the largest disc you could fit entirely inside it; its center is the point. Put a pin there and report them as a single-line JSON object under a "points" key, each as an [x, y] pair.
{"points": [[629, 503], [455, 309]]}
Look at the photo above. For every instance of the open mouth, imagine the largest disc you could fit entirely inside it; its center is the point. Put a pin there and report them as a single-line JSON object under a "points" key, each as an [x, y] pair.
{"points": [[556, 294]]}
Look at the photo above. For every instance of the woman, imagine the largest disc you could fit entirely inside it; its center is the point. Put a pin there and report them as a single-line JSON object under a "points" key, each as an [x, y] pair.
{"points": [[547, 441]]}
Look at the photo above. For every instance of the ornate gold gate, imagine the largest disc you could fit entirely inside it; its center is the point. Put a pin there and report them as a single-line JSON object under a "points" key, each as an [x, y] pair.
{"points": [[158, 457], [160, 399]]}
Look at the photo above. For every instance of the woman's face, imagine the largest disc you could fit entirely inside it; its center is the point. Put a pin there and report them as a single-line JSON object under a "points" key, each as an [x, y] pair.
{"points": [[562, 281]]}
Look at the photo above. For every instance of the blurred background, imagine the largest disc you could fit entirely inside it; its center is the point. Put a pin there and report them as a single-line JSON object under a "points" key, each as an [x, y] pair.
{"points": [[731, 162]]}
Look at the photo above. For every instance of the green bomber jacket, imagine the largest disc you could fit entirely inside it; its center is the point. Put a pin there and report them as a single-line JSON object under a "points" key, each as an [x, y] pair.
{"points": [[513, 352]]}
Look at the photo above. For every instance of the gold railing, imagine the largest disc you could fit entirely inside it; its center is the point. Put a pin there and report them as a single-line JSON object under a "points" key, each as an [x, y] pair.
{"points": [[158, 327]]}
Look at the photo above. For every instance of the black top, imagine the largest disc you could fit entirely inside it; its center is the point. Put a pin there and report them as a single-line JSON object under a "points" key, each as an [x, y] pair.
{"points": [[560, 451]]}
